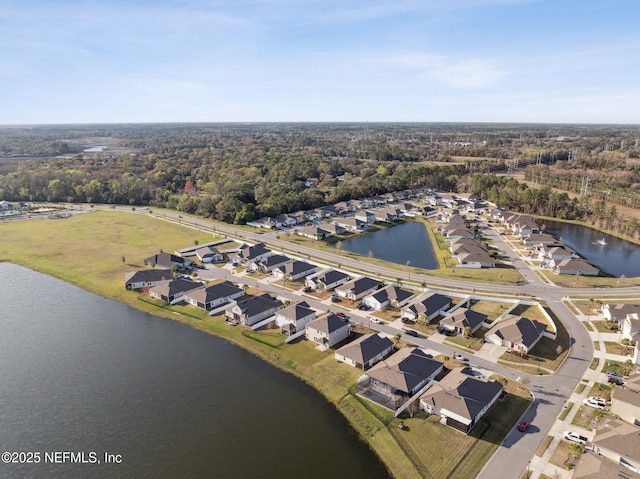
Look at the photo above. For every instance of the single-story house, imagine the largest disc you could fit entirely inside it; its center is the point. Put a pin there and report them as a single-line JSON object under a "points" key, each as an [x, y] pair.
{"points": [[575, 266], [366, 216], [168, 261], [208, 254], [253, 310], [618, 312], [358, 288], [538, 238], [173, 291], [146, 278], [313, 232], [388, 296], [463, 318], [556, 252], [399, 377], [327, 331], [208, 297], [250, 253], [327, 279], [625, 402], [456, 232], [476, 259], [264, 222], [333, 229], [516, 332], [388, 214], [269, 263], [294, 270], [294, 318], [630, 326], [460, 399], [620, 442], [365, 351], [351, 224], [428, 308]]}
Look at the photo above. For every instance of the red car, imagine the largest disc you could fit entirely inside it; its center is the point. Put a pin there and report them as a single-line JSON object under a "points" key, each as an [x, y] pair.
{"points": [[522, 426], [340, 314]]}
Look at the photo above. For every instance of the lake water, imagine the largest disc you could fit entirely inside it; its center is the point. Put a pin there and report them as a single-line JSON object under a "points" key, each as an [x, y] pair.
{"points": [[79, 373], [398, 244], [617, 256]]}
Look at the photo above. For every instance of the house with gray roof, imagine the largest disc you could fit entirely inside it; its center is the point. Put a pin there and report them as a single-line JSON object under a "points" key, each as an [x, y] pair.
{"points": [[172, 292], [327, 279], [460, 399], [516, 332], [313, 232], [390, 295], [294, 270], [625, 402], [209, 254], [249, 253], [618, 312], [327, 331], [358, 288], [208, 297], [269, 263], [463, 318], [253, 310], [575, 266], [351, 224], [393, 381], [294, 318], [146, 278], [428, 308], [264, 222], [476, 259], [619, 442], [365, 351], [168, 261]]}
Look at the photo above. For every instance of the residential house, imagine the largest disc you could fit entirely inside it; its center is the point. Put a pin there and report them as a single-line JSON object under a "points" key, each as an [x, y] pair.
{"points": [[327, 279], [208, 297], [251, 253], [463, 318], [333, 229], [388, 296], [327, 331], [168, 261], [294, 270], [351, 224], [269, 263], [294, 318], [428, 308], [358, 288], [575, 267], [399, 377], [538, 238], [286, 220], [264, 222], [618, 312], [630, 327], [313, 232], [460, 399], [388, 214], [456, 231], [253, 310], [146, 278], [516, 332], [344, 207], [208, 254], [556, 252], [625, 402], [172, 292], [476, 259], [365, 216], [365, 351], [620, 443], [5, 205]]}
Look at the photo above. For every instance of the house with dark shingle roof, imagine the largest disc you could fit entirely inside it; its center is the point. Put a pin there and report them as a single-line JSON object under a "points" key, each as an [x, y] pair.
{"points": [[428, 308], [209, 254], [460, 399], [167, 261], [327, 331], [618, 312], [249, 253], [173, 291], [365, 351], [575, 266], [463, 318], [358, 288], [269, 263], [294, 318], [294, 270], [388, 296], [516, 332], [146, 278], [253, 310], [327, 279], [399, 377], [208, 297]]}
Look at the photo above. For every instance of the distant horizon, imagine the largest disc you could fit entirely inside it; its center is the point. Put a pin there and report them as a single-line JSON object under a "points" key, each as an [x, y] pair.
{"points": [[312, 61]]}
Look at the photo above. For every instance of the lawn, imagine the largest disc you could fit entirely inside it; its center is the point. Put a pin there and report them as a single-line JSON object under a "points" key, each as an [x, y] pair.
{"points": [[562, 455], [613, 347], [584, 417], [493, 309], [464, 455], [474, 343], [601, 390], [605, 326], [565, 411], [625, 369], [544, 445]]}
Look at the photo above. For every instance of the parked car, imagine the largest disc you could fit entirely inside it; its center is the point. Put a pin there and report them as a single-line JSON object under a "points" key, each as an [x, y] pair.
{"points": [[595, 402], [613, 374], [341, 315], [522, 426], [616, 381], [335, 298], [460, 357], [376, 321], [306, 289], [404, 319], [411, 332], [575, 437]]}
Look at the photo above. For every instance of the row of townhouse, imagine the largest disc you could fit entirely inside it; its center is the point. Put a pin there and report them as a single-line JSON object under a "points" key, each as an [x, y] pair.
{"points": [[464, 246]]}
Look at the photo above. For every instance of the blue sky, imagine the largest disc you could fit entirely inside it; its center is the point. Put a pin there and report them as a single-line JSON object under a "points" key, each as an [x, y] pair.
{"points": [[564, 61]]}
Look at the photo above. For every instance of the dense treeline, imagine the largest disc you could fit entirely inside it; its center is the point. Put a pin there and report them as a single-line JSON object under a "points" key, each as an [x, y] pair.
{"points": [[235, 172]]}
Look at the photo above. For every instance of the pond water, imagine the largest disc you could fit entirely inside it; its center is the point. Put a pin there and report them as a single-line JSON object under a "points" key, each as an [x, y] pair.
{"points": [[611, 254], [82, 374], [398, 244]]}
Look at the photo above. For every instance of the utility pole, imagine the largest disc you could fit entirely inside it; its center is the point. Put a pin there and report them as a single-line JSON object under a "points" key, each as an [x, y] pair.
{"points": [[584, 189]]}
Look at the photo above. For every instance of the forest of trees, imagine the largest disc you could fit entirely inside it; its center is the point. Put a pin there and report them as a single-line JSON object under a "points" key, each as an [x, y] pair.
{"points": [[235, 172]]}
